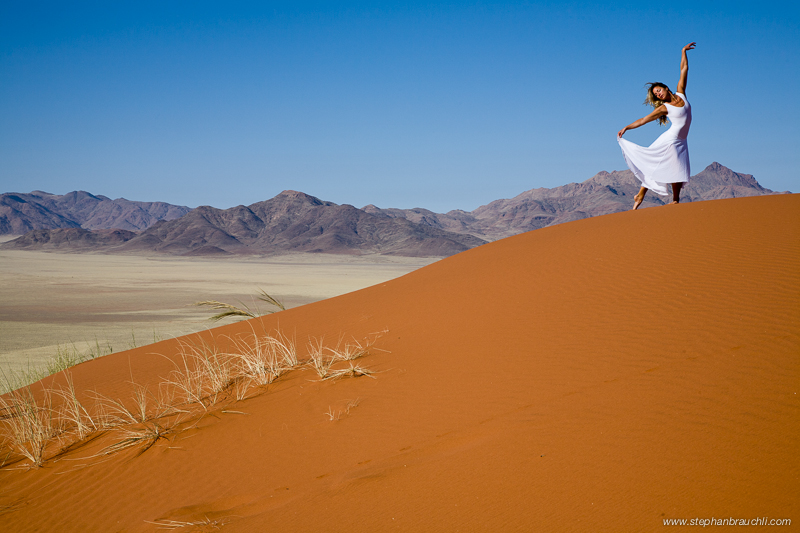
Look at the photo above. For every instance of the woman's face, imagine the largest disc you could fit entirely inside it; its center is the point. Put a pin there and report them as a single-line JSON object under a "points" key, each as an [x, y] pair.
{"points": [[660, 93]]}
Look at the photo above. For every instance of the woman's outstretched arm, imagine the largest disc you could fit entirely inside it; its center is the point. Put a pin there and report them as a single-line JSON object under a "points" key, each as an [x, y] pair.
{"points": [[684, 68], [660, 111]]}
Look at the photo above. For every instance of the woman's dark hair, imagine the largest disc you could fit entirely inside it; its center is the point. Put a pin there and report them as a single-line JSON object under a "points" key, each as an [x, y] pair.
{"points": [[652, 100]]}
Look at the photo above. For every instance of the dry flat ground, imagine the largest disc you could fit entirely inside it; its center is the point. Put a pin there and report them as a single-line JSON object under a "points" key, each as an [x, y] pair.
{"points": [[50, 301], [599, 375]]}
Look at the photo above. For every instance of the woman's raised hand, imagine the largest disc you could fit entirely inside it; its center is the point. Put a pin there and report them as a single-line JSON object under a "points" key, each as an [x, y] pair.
{"points": [[681, 88], [622, 132]]}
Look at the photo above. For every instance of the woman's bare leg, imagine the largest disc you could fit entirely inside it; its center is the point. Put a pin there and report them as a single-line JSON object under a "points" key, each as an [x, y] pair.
{"points": [[676, 192], [639, 198]]}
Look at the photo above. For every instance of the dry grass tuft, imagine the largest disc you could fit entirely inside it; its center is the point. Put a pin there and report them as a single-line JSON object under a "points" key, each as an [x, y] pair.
{"points": [[72, 411], [262, 360], [337, 415], [28, 426], [321, 358], [264, 297], [353, 371], [286, 349], [241, 387], [207, 524], [203, 375], [355, 349], [204, 372], [230, 310], [144, 436]]}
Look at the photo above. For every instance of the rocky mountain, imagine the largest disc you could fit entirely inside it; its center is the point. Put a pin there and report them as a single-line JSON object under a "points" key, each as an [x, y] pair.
{"points": [[604, 193], [292, 221], [296, 222], [21, 213], [72, 239]]}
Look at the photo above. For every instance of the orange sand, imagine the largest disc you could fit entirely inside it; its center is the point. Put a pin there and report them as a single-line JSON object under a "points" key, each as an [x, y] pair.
{"points": [[599, 375]]}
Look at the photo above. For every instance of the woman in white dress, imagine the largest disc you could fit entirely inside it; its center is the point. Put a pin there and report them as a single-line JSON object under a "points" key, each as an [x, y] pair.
{"points": [[667, 159]]}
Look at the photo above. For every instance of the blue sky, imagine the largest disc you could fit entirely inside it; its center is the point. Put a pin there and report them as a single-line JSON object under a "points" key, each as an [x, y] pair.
{"points": [[400, 104]]}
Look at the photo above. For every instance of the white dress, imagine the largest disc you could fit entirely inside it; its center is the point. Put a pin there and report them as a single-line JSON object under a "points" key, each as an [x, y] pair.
{"points": [[667, 159]]}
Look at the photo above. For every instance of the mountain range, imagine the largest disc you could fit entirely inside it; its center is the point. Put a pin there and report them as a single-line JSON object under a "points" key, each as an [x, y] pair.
{"points": [[21, 213], [297, 222], [602, 194]]}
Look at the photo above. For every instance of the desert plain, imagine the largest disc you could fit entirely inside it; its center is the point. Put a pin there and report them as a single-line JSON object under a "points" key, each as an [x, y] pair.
{"points": [[89, 303], [606, 374]]}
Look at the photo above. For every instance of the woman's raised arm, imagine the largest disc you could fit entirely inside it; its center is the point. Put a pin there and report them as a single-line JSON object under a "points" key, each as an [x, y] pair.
{"points": [[684, 68]]}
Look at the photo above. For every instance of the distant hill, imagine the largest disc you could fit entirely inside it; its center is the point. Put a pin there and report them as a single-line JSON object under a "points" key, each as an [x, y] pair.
{"points": [[71, 239], [290, 222], [297, 222], [21, 213], [604, 193]]}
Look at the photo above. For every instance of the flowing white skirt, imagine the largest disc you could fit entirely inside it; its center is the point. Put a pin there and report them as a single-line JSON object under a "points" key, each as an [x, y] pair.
{"points": [[665, 161]]}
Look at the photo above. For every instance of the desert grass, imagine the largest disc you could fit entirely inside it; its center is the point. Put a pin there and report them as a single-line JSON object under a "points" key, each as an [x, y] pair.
{"points": [[286, 349], [73, 412], [355, 349], [144, 436], [260, 360], [203, 376], [204, 373], [207, 524], [110, 413], [338, 414], [216, 369], [65, 357], [268, 357], [230, 310], [141, 422], [264, 297], [321, 358], [241, 389], [28, 426], [352, 371], [11, 380]]}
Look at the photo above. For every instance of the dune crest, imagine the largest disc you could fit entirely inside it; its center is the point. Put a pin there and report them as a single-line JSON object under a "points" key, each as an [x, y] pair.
{"points": [[600, 375]]}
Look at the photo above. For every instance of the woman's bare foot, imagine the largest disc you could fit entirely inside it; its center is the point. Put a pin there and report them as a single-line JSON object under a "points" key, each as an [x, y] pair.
{"points": [[637, 201], [672, 202]]}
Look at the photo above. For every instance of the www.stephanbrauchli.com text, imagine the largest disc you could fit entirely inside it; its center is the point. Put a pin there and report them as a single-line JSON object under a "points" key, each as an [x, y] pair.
{"points": [[730, 521]]}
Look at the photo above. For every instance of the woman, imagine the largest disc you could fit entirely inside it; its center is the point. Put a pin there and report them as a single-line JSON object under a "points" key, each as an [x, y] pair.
{"points": [[667, 159]]}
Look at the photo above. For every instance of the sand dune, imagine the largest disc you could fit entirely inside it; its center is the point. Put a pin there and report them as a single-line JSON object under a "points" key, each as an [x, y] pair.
{"points": [[600, 375]]}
